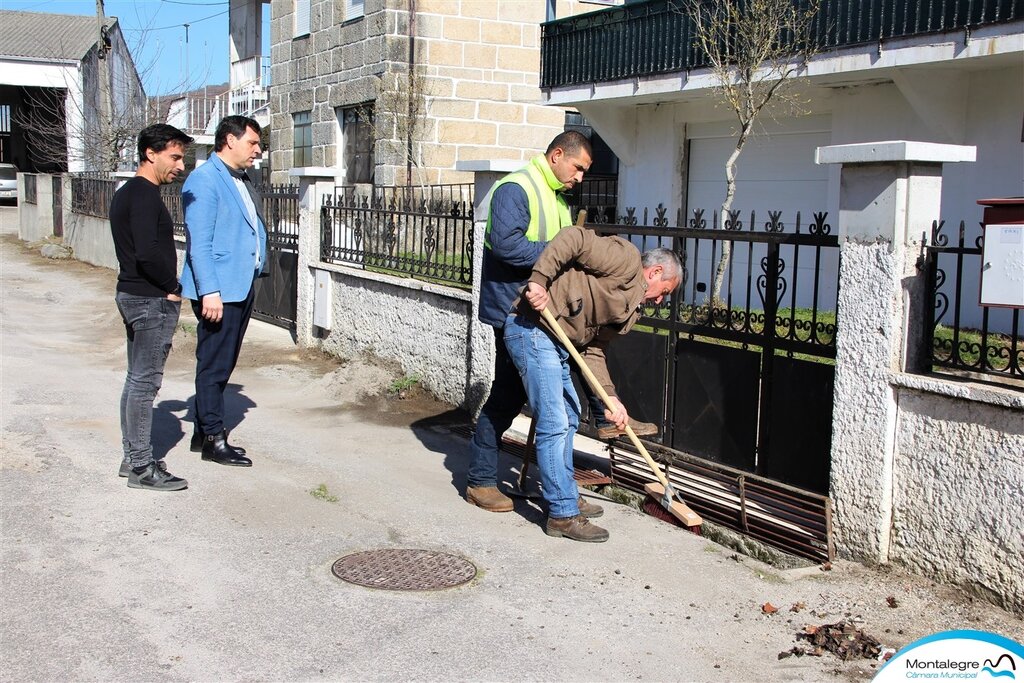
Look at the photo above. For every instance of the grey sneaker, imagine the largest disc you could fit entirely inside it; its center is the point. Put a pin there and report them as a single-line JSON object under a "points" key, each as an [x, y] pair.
{"points": [[155, 478], [577, 528], [126, 467]]}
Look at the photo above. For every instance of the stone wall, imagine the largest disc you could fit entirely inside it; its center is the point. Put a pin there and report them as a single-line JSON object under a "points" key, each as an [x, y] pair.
{"points": [[958, 479], [476, 74]]}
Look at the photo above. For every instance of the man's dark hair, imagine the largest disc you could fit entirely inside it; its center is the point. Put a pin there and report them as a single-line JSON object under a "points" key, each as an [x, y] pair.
{"points": [[572, 143], [158, 136], [233, 125]]}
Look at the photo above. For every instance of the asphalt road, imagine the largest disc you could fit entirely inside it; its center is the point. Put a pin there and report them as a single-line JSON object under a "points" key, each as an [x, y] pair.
{"points": [[231, 579]]}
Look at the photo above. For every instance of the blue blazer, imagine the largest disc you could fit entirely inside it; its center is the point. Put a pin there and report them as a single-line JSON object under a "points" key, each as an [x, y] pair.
{"points": [[220, 242]]}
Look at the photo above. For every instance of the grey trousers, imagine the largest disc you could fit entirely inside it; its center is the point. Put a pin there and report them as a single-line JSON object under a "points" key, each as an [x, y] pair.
{"points": [[149, 324]]}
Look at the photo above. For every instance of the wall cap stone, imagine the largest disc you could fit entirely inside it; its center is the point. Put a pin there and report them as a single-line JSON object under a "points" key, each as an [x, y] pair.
{"points": [[968, 391], [894, 150], [492, 165], [405, 282], [313, 172]]}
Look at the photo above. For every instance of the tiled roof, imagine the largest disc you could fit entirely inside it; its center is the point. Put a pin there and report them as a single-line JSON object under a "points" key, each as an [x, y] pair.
{"points": [[47, 36]]}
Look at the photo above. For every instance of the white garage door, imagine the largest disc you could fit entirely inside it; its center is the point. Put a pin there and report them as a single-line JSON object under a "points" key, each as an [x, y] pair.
{"points": [[774, 173]]}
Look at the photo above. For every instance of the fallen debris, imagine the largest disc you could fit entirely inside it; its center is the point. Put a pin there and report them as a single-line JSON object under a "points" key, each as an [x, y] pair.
{"points": [[892, 601], [843, 639], [769, 608], [798, 607]]}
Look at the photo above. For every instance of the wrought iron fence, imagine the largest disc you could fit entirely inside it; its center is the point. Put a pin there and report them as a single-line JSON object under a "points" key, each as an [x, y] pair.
{"points": [[30, 188], [598, 196], [780, 286], [281, 211], [171, 194], [280, 208], [644, 38], [91, 194], [424, 232], [962, 337]]}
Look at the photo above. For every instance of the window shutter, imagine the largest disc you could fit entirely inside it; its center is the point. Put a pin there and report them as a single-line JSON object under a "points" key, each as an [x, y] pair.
{"points": [[353, 9], [301, 18]]}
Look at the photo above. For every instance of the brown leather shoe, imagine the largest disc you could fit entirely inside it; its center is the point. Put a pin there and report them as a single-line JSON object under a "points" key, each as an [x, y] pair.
{"points": [[639, 428], [577, 528], [588, 509], [489, 498]]}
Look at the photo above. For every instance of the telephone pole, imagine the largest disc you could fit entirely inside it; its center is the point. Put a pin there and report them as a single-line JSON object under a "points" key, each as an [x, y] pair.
{"points": [[103, 76]]}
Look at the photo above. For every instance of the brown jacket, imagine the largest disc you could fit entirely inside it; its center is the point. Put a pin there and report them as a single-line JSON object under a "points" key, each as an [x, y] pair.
{"points": [[595, 285]]}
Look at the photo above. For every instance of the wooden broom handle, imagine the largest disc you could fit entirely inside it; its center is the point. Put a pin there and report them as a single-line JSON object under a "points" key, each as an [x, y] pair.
{"points": [[596, 386]]}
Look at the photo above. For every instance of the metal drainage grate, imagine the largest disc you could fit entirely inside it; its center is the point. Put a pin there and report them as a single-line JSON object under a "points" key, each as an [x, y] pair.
{"points": [[399, 569]]}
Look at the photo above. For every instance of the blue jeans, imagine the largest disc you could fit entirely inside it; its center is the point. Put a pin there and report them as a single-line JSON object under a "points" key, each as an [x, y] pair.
{"points": [[149, 324], [544, 368], [503, 404]]}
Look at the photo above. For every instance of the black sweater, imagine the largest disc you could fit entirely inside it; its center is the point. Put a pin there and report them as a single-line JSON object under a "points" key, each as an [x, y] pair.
{"points": [[144, 240]]}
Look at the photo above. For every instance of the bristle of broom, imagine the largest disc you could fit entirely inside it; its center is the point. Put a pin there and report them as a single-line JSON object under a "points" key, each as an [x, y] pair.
{"points": [[654, 509]]}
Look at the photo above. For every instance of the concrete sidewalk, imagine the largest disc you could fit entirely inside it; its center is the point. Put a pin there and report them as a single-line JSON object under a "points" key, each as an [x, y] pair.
{"points": [[231, 580]]}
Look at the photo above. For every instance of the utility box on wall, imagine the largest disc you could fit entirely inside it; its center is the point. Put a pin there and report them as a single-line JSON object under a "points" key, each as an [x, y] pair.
{"points": [[322, 298], [1002, 261]]}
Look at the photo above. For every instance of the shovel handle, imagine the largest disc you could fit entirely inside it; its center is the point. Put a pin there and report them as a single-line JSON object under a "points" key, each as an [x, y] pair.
{"points": [[596, 386]]}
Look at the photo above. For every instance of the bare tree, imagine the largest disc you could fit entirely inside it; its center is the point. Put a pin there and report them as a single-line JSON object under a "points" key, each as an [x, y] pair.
{"points": [[401, 110], [756, 50], [93, 121]]}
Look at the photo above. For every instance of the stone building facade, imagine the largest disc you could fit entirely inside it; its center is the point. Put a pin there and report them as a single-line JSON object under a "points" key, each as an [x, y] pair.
{"points": [[434, 81]]}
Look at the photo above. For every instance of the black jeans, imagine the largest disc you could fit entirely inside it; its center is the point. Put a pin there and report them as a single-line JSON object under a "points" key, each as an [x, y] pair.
{"points": [[217, 348]]}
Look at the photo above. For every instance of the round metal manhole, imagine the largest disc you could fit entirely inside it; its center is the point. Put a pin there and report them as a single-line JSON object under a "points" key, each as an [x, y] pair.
{"points": [[399, 569]]}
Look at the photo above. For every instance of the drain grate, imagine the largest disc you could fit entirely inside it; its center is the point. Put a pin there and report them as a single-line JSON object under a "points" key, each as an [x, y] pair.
{"points": [[399, 569]]}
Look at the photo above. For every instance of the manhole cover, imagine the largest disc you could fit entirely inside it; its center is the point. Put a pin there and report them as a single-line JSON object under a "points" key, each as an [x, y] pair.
{"points": [[404, 570]]}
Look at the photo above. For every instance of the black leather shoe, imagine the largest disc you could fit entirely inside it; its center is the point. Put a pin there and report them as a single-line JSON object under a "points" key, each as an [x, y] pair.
{"points": [[196, 445], [216, 449]]}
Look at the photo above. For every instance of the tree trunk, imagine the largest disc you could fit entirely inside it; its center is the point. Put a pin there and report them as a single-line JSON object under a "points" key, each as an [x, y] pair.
{"points": [[730, 193]]}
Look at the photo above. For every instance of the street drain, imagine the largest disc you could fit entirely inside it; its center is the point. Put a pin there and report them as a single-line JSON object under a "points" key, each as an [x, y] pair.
{"points": [[399, 569]]}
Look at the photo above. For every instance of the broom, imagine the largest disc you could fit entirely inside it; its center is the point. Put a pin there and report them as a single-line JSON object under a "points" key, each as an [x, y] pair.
{"points": [[678, 512]]}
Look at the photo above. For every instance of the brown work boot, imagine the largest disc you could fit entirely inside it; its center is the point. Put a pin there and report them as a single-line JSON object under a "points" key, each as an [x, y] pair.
{"points": [[489, 498], [588, 509], [639, 428], [577, 528]]}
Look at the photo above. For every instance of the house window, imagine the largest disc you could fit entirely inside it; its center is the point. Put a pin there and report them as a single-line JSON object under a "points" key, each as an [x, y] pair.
{"points": [[357, 143], [302, 150], [301, 18], [353, 9]]}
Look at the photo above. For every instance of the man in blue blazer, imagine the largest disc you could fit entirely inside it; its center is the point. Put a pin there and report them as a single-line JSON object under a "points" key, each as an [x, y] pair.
{"points": [[226, 250]]}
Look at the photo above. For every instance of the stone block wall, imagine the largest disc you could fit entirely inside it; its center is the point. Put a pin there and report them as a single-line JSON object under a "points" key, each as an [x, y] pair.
{"points": [[476, 73]]}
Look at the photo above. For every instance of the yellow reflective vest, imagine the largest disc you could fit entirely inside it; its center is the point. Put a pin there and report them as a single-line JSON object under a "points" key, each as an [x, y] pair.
{"points": [[548, 211]]}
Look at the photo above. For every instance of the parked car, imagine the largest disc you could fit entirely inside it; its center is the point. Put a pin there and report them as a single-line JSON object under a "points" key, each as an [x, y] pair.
{"points": [[8, 184]]}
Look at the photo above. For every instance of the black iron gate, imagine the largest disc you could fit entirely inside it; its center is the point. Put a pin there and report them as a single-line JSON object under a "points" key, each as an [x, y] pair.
{"points": [[743, 378], [58, 205], [277, 294]]}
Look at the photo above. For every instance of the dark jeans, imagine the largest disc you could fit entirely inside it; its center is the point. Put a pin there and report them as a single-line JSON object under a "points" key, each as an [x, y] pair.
{"points": [[217, 348], [506, 399], [149, 324]]}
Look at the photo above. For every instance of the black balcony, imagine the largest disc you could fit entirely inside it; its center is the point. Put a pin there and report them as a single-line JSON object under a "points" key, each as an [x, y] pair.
{"points": [[654, 37]]}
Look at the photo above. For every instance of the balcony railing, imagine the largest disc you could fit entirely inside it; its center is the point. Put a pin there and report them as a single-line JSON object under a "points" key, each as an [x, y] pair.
{"points": [[655, 37]]}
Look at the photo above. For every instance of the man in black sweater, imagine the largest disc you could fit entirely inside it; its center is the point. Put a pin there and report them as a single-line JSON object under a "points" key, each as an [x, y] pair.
{"points": [[148, 297]]}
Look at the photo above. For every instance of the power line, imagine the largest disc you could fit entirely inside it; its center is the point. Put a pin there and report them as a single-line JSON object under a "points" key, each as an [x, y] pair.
{"points": [[179, 24]]}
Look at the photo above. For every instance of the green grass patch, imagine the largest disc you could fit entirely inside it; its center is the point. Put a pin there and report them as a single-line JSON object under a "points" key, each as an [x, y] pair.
{"points": [[971, 347], [403, 384], [321, 493]]}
